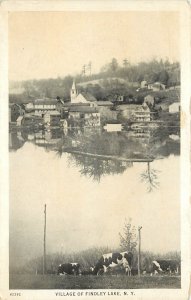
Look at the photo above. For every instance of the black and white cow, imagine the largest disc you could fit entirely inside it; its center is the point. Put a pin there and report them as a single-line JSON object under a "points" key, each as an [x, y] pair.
{"points": [[113, 260], [163, 266], [69, 269]]}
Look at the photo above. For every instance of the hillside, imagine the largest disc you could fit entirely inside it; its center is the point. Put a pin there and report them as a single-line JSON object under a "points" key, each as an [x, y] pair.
{"points": [[112, 80]]}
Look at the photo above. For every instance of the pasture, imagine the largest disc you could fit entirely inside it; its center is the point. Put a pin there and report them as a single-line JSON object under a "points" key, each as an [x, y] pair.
{"points": [[26, 281]]}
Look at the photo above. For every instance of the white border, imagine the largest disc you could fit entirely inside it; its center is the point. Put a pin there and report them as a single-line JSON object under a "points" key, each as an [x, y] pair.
{"points": [[108, 5]]}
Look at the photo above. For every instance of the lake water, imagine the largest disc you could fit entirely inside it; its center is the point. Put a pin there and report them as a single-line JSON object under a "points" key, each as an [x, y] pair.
{"points": [[92, 181]]}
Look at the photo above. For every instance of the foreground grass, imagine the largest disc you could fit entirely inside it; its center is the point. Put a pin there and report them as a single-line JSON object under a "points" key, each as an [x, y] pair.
{"points": [[18, 281]]}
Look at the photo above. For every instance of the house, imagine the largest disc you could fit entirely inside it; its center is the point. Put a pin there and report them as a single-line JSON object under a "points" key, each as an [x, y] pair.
{"points": [[144, 84], [156, 86], [41, 106], [135, 112], [120, 98], [106, 111], [149, 100], [20, 120], [52, 118], [174, 108], [15, 110], [113, 127], [60, 107], [84, 115], [29, 106]]}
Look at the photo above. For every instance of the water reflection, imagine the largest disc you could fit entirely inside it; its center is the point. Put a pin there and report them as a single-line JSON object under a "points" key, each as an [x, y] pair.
{"points": [[88, 174], [97, 153], [150, 177]]}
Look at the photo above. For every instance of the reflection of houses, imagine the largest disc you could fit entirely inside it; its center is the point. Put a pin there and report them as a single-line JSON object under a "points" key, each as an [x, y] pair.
{"points": [[149, 100], [52, 118], [47, 138], [15, 110], [174, 108], [134, 112], [89, 116], [16, 140], [113, 127], [141, 134]]}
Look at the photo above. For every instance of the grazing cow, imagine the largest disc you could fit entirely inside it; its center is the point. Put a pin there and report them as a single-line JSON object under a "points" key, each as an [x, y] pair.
{"points": [[69, 269], [113, 260], [163, 266]]}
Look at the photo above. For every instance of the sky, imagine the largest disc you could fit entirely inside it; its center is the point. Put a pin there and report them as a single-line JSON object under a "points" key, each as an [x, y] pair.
{"points": [[51, 44], [82, 213]]}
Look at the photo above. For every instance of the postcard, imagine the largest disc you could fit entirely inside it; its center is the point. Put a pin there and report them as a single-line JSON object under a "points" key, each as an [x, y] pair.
{"points": [[95, 150]]}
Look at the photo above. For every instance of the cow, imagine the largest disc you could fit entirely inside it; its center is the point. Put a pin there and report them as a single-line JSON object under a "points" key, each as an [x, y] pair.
{"points": [[69, 269], [87, 272], [112, 260], [163, 266]]}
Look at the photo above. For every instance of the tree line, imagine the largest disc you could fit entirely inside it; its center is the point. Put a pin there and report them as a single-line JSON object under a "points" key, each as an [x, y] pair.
{"points": [[113, 79]]}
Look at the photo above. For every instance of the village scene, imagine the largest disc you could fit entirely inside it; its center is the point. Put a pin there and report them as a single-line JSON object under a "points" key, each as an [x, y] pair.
{"points": [[94, 172], [114, 113], [65, 124]]}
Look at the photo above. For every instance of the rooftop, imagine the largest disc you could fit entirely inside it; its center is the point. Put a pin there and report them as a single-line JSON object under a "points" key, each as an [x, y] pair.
{"points": [[89, 97], [84, 109], [104, 103], [69, 104], [134, 107], [53, 113], [45, 101]]}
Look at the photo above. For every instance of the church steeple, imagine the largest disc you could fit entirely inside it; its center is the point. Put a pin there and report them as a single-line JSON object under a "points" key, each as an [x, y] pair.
{"points": [[73, 92]]}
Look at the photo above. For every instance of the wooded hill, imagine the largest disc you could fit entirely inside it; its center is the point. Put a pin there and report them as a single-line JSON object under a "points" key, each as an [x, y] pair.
{"points": [[113, 79]]}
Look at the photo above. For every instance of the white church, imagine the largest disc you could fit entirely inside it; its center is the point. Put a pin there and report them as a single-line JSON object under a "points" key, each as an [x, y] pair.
{"points": [[84, 98]]}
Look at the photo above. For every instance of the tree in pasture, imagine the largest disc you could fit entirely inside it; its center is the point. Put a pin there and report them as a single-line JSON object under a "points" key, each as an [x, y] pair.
{"points": [[128, 239]]}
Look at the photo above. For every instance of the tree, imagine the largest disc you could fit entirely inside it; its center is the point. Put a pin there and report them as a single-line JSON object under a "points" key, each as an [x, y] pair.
{"points": [[174, 77], [152, 77], [140, 78], [163, 77], [114, 65], [125, 63], [128, 240]]}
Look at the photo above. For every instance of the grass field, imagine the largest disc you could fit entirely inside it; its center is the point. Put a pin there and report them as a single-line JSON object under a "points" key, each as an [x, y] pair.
{"points": [[18, 281]]}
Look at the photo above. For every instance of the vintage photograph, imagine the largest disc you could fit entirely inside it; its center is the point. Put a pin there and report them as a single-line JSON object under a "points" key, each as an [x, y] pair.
{"points": [[94, 150]]}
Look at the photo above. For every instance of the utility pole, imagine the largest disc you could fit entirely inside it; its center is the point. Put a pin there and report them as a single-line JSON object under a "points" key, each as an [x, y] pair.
{"points": [[44, 254], [90, 68], [139, 251], [84, 70]]}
